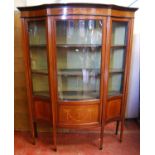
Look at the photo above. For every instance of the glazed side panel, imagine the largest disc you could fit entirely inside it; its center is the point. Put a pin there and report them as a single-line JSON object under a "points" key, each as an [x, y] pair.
{"points": [[115, 106]]}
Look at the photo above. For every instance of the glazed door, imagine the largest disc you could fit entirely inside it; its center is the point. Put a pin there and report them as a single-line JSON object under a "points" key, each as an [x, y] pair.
{"points": [[78, 46], [117, 67], [38, 69], [38, 57], [117, 57], [78, 54]]}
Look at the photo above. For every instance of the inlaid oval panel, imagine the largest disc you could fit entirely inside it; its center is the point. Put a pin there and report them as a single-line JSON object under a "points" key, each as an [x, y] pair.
{"points": [[78, 114]]}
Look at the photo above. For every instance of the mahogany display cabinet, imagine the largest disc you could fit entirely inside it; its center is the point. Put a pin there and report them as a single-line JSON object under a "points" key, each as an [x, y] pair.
{"points": [[77, 63]]}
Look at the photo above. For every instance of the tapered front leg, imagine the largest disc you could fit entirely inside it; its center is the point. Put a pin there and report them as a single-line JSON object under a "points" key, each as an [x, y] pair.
{"points": [[35, 129], [117, 127], [101, 137], [54, 140], [122, 130], [33, 134]]}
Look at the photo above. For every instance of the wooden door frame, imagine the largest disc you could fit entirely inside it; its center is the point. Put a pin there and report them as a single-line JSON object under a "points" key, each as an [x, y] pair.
{"points": [[83, 17]]}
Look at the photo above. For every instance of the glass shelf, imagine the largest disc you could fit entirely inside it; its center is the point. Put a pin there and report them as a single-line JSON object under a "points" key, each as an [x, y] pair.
{"points": [[114, 93], [116, 71], [41, 93], [78, 95], [79, 72], [78, 45], [37, 45], [40, 71], [118, 46]]}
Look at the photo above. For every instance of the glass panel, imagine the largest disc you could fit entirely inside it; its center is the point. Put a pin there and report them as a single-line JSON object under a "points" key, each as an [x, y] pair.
{"points": [[37, 33], [115, 84], [117, 58], [119, 30], [38, 57], [79, 32], [40, 85], [79, 44]]}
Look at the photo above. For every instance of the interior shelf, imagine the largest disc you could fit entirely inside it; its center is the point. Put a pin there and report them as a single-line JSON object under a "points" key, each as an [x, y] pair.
{"points": [[114, 93], [71, 95], [78, 45], [115, 71], [38, 45], [78, 96], [78, 69], [40, 71], [77, 72], [41, 93], [78, 91], [118, 46]]}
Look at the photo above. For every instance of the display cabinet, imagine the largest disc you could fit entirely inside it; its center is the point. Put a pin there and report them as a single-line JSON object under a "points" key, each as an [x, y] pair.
{"points": [[77, 62]]}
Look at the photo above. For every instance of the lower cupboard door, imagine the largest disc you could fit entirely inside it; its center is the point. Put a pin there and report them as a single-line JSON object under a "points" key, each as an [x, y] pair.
{"points": [[42, 110], [113, 109], [78, 114]]}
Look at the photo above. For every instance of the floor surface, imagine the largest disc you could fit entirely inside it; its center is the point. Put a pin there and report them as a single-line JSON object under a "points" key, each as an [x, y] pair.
{"points": [[84, 142]]}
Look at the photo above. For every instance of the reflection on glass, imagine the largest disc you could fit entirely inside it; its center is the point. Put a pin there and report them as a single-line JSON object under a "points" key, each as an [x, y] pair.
{"points": [[37, 33], [79, 32], [119, 30], [117, 58], [115, 84], [79, 45], [38, 57]]}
